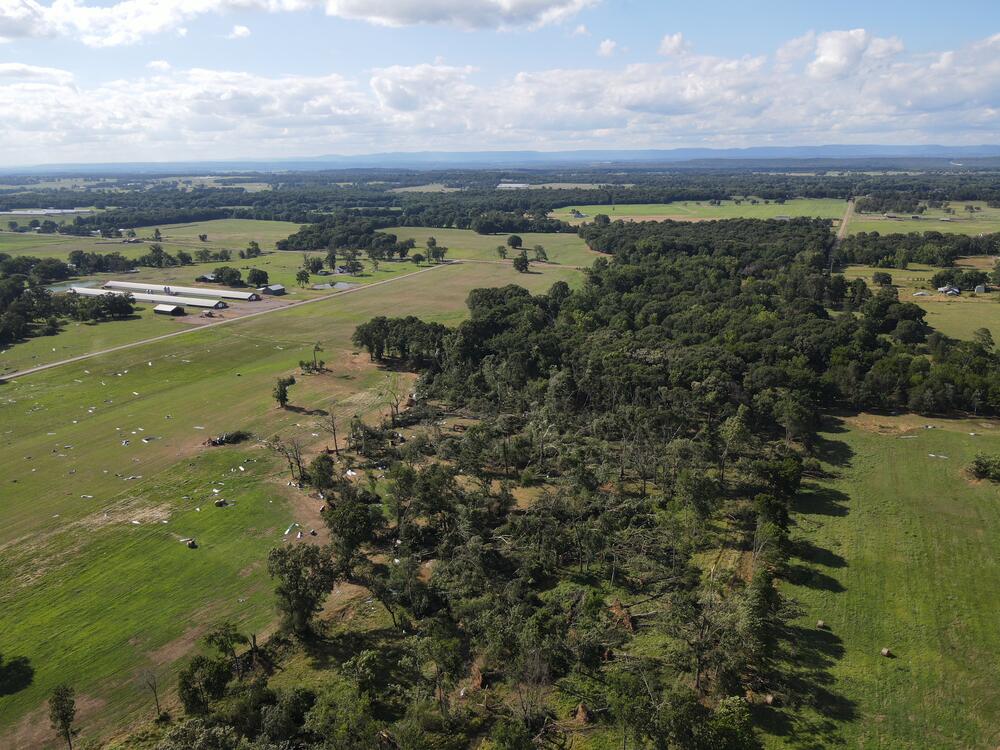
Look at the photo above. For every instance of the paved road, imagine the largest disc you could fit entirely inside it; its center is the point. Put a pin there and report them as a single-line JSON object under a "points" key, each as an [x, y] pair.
{"points": [[193, 329]]}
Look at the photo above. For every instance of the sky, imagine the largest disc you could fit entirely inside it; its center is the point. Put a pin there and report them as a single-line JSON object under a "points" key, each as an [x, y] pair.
{"points": [[160, 80]]}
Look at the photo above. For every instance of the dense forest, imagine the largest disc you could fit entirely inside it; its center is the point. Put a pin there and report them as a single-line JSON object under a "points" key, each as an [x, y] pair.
{"points": [[899, 250], [665, 410]]}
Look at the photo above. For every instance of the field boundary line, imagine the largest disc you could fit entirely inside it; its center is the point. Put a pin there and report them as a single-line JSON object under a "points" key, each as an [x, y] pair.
{"points": [[194, 329]]}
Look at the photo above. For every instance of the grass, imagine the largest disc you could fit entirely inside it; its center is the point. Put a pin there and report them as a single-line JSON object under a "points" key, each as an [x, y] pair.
{"points": [[953, 316], [824, 208], [92, 599], [984, 221], [896, 549], [563, 249], [77, 338]]}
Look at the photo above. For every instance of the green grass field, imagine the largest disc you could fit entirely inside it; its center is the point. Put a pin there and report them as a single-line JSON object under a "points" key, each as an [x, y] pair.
{"points": [[562, 249], [954, 316], [897, 549], [91, 598], [984, 221], [824, 208]]}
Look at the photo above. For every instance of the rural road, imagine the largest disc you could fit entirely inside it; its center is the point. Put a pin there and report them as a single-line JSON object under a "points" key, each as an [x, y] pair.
{"points": [[31, 370], [848, 215]]}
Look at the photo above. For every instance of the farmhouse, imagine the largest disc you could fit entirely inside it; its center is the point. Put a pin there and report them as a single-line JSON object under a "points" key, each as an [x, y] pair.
{"points": [[166, 299], [168, 310], [276, 289], [189, 290]]}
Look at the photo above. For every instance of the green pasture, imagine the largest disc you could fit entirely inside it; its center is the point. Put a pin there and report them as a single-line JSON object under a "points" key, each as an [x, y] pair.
{"points": [[561, 248], [953, 316], [984, 221], [895, 549], [823, 208], [76, 338], [234, 234], [89, 597]]}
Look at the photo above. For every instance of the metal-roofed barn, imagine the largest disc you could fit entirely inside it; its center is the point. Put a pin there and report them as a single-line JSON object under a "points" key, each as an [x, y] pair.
{"points": [[167, 299], [272, 289], [168, 310], [138, 286]]}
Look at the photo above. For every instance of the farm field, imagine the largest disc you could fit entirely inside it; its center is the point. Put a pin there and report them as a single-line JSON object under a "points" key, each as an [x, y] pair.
{"points": [[61, 245], [93, 598], [563, 249], [984, 221], [824, 208], [896, 549], [953, 316], [76, 338], [234, 234]]}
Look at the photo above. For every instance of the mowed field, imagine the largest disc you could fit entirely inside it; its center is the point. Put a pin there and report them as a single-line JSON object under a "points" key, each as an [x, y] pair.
{"points": [[231, 234], [562, 249], [954, 316], [896, 549], [984, 221], [823, 208], [92, 598]]}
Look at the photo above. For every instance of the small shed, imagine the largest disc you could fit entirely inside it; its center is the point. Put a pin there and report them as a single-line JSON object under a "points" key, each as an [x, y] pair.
{"points": [[981, 289], [276, 289], [168, 310]]}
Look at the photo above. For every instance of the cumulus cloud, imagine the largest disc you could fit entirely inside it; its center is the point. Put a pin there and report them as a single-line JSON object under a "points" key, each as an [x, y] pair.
{"points": [[607, 48], [824, 87], [673, 44], [128, 21], [581, 30], [158, 65], [239, 32]]}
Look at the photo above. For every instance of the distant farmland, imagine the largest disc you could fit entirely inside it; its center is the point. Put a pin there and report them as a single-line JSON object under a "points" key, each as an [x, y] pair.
{"points": [[823, 208]]}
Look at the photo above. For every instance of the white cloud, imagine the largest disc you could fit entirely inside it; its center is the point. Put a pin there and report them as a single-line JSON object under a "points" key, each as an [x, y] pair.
{"points": [[21, 72], [128, 21], [239, 32], [581, 30], [827, 87], [840, 53], [673, 44], [158, 65], [607, 48]]}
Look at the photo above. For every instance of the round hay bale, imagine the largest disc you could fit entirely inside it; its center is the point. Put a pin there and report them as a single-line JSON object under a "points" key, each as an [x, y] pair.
{"points": [[887, 653]]}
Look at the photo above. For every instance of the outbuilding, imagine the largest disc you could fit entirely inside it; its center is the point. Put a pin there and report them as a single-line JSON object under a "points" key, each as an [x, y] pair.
{"points": [[216, 304], [275, 289], [135, 286], [168, 310]]}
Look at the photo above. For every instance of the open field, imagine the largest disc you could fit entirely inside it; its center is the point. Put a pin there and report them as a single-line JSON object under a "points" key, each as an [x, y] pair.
{"points": [[90, 597], [234, 234], [76, 338], [431, 187], [954, 316], [562, 249], [984, 221], [824, 208], [896, 549]]}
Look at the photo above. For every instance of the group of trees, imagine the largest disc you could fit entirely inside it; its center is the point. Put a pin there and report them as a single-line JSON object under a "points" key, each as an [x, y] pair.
{"points": [[899, 250]]}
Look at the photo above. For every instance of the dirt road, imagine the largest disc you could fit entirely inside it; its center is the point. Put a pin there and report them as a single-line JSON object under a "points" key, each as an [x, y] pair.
{"points": [[50, 365]]}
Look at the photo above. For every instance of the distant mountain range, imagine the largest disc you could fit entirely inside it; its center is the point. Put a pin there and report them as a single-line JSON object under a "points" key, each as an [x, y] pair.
{"points": [[825, 157]]}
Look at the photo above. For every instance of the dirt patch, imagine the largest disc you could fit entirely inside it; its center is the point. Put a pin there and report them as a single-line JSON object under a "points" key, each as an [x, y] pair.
{"points": [[902, 423], [173, 650], [34, 729]]}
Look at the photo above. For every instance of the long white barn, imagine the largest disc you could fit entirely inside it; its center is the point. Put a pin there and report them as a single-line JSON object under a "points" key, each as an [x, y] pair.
{"points": [[149, 288], [168, 299]]}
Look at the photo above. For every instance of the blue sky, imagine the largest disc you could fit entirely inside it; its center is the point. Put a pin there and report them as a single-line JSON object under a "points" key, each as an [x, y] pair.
{"points": [[179, 79]]}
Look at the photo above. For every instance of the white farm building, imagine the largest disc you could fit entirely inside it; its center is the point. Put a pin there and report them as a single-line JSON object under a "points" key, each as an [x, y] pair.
{"points": [[166, 299], [138, 286]]}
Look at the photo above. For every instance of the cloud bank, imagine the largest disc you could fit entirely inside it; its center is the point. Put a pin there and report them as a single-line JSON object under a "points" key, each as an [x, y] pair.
{"points": [[831, 87]]}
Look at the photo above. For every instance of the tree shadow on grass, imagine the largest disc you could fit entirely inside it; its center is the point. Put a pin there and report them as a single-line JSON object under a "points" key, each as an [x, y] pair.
{"points": [[806, 550], [15, 674], [811, 712], [803, 575], [816, 500], [307, 412]]}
